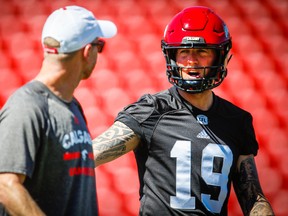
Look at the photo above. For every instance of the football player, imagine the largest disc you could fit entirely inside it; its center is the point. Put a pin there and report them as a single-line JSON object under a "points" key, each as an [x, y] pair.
{"points": [[190, 144]]}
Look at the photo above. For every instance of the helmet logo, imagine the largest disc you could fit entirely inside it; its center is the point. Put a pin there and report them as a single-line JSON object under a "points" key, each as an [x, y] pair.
{"points": [[226, 31], [193, 40]]}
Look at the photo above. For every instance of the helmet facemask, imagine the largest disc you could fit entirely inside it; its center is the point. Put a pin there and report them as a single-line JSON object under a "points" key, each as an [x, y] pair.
{"points": [[196, 27], [212, 75]]}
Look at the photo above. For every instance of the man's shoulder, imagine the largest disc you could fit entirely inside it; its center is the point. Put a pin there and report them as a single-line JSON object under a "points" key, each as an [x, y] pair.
{"points": [[228, 107], [27, 97], [161, 101]]}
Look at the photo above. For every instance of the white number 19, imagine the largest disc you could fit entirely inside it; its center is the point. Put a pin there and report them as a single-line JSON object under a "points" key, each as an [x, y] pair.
{"points": [[182, 152]]}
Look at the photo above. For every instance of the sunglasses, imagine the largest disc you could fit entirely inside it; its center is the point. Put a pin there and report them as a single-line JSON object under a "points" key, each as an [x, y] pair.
{"points": [[99, 44]]}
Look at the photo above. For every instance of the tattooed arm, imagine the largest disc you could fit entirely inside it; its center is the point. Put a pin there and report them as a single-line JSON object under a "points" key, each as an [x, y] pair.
{"points": [[113, 143], [248, 190]]}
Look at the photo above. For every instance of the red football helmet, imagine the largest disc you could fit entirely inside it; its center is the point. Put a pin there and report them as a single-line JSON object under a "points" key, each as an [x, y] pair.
{"points": [[197, 27]]}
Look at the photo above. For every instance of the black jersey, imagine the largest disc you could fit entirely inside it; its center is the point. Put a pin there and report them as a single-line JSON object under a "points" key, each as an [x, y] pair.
{"points": [[187, 157]]}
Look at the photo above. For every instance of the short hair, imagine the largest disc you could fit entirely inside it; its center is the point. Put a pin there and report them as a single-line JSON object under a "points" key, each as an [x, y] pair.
{"points": [[51, 42]]}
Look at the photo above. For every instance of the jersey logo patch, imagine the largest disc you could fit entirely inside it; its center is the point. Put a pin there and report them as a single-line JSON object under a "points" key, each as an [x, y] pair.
{"points": [[203, 135], [202, 119], [76, 120]]}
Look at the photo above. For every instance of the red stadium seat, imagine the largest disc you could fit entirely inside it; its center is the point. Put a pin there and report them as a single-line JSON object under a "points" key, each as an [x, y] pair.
{"points": [[233, 24], [137, 24], [86, 97], [132, 203], [275, 89], [9, 27], [259, 63], [114, 100], [156, 70], [127, 10], [21, 66], [283, 170], [97, 120], [9, 82], [279, 202], [21, 42], [35, 25], [279, 9], [127, 183], [138, 82], [102, 79], [235, 63], [279, 48], [103, 178], [8, 9], [121, 42], [110, 202], [251, 9], [148, 43], [270, 185], [247, 45], [27, 7], [125, 61], [126, 180], [264, 122], [277, 140], [5, 61], [103, 61], [240, 80]]}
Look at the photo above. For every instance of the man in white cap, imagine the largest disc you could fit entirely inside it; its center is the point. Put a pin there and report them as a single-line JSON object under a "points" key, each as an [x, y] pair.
{"points": [[46, 158]]}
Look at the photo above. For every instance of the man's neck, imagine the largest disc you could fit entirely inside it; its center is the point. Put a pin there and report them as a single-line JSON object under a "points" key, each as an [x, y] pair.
{"points": [[202, 101], [59, 82]]}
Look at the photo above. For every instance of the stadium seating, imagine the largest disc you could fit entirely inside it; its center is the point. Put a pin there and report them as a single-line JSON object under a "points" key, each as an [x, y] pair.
{"points": [[132, 64]]}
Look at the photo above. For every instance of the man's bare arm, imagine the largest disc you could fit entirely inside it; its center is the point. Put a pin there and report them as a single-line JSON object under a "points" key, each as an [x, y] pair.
{"points": [[248, 190], [113, 143], [15, 198]]}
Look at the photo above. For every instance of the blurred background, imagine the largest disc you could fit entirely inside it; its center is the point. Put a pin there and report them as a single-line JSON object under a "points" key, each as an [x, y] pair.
{"points": [[132, 64]]}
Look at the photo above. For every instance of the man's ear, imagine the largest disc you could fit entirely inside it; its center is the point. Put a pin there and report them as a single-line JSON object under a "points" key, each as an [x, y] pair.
{"points": [[87, 51]]}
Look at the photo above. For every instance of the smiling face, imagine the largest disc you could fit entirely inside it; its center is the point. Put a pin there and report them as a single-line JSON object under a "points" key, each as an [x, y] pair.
{"points": [[193, 60]]}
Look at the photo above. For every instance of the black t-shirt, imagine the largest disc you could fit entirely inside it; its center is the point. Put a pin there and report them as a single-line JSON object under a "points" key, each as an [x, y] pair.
{"points": [[187, 157]]}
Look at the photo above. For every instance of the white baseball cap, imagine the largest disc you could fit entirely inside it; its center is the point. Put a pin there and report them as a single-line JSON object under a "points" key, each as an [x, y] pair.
{"points": [[75, 27]]}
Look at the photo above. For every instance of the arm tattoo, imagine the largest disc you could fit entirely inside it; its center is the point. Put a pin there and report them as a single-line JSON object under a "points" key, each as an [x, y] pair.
{"points": [[112, 143], [249, 192]]}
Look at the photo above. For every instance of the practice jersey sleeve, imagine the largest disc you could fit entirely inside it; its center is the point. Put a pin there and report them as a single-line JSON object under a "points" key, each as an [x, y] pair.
{"points": [[250, 144], [20, 123], [143, 115]]}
